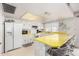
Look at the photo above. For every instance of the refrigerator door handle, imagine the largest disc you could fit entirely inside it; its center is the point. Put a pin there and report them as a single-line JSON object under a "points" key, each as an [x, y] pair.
{"points": [[9, 33], [0, 43]]}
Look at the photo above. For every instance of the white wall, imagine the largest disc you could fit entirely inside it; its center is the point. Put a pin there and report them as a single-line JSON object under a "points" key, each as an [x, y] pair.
{"points": [[1, 36], [70, 27], [1, 29], [76, 30]]}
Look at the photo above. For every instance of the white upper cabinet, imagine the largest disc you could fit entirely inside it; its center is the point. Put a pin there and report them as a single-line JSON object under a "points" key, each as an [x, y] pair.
{"points": [[48, 27], [55, 26], [52, 27]]}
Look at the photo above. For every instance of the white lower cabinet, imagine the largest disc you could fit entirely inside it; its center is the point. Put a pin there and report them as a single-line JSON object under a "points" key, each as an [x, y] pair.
{"points": [[27, 39], [39, 49]]}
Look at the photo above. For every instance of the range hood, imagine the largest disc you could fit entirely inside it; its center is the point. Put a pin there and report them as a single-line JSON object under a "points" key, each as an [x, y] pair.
{"points": [[74, 8]]}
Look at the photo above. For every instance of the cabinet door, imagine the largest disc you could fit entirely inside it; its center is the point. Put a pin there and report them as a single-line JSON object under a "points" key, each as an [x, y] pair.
{"points": [[52, 27], [17, 35], [27, 39], [48, 27], [39, 49], [55, 26]]}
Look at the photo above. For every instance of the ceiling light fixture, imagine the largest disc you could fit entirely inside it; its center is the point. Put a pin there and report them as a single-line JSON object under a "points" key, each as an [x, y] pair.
{"points": [[30, 16]]}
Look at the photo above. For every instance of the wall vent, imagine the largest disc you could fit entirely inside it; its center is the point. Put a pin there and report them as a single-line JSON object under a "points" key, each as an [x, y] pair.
{"points": [[8, 8]]}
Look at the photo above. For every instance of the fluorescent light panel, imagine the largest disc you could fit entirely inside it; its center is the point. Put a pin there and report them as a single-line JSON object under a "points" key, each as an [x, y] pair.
{"points": [[30, 16]]}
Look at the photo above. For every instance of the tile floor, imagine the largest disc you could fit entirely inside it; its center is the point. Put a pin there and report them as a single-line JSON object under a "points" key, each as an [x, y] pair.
{"points": [[24, 51], [29, 51]]}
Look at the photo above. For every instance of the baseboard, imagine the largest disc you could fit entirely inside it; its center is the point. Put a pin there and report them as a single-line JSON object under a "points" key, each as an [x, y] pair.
{"points": [[13, 49]]}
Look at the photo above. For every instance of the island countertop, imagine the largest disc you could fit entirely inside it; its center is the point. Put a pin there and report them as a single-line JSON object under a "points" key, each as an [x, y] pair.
{"points": [[55, 39]]}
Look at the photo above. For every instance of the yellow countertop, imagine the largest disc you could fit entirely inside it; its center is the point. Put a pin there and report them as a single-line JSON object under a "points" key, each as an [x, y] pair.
{"points": [[55, 39]]}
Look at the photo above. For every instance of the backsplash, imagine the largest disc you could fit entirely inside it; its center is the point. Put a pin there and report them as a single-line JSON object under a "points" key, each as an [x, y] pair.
{"points": [[67, 26]]}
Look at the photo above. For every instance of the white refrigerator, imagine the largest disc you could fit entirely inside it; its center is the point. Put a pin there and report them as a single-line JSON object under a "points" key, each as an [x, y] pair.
{"points": [[13, 35], [18, 39], [9, 35]]}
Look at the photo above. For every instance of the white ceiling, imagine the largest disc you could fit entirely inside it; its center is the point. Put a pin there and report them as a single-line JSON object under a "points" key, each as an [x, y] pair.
{"points": [[54, 10], [75, 6]]}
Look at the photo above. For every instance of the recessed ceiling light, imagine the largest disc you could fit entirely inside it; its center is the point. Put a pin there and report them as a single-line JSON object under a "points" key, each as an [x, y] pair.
{"points": [[30, 16]]}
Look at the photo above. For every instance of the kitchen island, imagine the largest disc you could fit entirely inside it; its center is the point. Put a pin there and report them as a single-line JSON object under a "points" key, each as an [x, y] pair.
{"points": [[51, 40]]}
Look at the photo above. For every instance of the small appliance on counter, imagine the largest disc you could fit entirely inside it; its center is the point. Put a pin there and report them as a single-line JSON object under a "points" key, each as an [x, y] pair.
{"points": [[24, 32]]}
